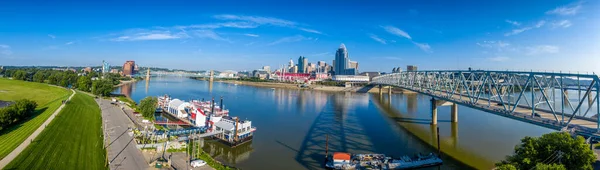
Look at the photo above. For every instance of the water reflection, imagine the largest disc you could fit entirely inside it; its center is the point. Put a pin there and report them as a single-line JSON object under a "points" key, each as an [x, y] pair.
{"points": [[338, 124], [227, 154], [126, 89]]}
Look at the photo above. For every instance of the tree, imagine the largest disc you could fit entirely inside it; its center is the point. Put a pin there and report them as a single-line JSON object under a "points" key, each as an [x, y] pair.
{"points": [[541, 166], [571, 152], [102, 87], [20, 75], [39, 77], [148, 106], [54, 78], [84, 83], [506, 167]]}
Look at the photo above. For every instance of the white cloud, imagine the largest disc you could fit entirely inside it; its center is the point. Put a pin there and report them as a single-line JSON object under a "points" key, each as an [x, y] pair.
{"points": [[424, 46], [257, 19], [251, 35], [310, 30], [498, 58], [290, 39], [374, 37], [209, 34], [520, 30], [515, 23], [570, 9], [144, 35], [496, 45], [562, 23], [542, 49], [69, 43], [51, 36], [540, 23], [396, 31], [5, 49], [242, 24]]}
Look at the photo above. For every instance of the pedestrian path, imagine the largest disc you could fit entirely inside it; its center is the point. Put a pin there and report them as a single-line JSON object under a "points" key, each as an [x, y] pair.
{"points": [[31, 137]]}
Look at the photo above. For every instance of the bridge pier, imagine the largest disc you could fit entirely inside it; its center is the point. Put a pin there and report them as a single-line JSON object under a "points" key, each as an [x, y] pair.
{"points": [[435, 103], [454, 112], [590, 99], [390, 91], [565, 96], [380, 90], [433, 112]]}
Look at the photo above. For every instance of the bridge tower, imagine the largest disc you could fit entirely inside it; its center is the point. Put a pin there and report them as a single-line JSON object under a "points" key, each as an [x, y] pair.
{"points": [[435, 103], [148, 74], [212, 73]]}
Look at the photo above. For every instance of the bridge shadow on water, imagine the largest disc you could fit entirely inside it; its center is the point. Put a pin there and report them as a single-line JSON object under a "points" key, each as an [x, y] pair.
{"points": [[454, 156], [337, 123]]}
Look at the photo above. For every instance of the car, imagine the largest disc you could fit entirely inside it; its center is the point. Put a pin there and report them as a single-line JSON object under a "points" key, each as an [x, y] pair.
{"points": [[197, 163]]}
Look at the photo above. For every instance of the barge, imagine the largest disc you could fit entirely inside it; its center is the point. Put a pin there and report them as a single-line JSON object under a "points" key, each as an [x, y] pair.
{"points": [[208, 115], [342, 160]]}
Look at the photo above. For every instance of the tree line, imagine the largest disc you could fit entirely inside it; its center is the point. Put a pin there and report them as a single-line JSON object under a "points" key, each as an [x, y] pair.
{"points": [[102, 85], [16, 112]]}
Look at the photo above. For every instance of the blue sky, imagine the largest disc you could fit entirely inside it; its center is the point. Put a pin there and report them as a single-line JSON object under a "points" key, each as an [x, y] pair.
{"points": [[243, 35]]}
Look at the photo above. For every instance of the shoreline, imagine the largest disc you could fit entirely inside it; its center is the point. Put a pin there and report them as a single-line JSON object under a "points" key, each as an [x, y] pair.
{"points": [[294, 86], [125, 82], [356, 89]]}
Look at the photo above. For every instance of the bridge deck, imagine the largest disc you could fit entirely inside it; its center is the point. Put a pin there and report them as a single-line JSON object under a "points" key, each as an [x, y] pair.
{"points": [[522, 113]]}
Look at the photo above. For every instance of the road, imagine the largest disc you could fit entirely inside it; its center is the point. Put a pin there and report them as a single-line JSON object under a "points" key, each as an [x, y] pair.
{"points": [[179, 162], [122, 153], [12, 155]]}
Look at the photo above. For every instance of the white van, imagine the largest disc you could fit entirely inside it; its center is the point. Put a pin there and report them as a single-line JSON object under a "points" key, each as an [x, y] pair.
{"points": [[197, 163]]}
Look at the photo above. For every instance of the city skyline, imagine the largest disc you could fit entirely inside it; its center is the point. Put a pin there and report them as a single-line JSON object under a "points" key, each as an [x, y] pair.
{"points": [[382, 35]]}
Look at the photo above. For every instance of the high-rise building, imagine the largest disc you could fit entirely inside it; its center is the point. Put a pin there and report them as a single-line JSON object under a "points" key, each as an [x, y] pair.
{"points": [[267, 69], [411, 68], [302, 64], [342, 64], [341, 60], [129, 68], [136, 69], [294, 69], [321, 63], [105, 67]]}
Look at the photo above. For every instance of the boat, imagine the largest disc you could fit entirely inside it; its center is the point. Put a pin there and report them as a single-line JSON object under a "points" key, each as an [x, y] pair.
{"points": [[342, 160], [210, 116]]}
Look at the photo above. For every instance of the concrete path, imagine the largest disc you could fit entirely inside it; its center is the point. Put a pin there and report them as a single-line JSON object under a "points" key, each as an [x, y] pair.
{"points": [[122, 153], [31, 137]]}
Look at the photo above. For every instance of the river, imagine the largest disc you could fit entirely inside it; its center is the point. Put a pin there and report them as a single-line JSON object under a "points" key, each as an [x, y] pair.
{"points": [[292, 125]]}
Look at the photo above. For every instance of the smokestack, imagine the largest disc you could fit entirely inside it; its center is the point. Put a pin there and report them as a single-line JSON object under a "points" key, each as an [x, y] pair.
{"points": [[236, 128], [221, 103], [212, 111]]}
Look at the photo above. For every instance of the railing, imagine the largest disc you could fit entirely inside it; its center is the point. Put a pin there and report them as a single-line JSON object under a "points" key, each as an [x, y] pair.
{"points": [[561, 94]]}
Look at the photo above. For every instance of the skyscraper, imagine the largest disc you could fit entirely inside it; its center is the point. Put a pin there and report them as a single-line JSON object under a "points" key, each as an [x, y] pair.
{"points": [[411, 68], [341, 61], [302, 64], [129, 68], [105, 67], [342, 64]]}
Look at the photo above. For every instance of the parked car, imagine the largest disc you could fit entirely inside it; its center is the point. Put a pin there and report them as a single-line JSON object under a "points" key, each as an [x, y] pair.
{"points": [[197, 163]]}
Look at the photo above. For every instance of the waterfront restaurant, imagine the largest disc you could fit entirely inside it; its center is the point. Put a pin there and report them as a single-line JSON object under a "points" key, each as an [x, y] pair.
{"points": [[228, 124]]}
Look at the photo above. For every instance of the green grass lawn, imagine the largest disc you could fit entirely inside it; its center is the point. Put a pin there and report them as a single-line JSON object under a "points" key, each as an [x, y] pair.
{"points": [[48, 99], [72, 141]]}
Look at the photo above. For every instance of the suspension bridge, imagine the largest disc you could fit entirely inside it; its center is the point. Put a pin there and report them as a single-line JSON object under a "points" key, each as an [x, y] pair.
{"points": [[561, 101]]}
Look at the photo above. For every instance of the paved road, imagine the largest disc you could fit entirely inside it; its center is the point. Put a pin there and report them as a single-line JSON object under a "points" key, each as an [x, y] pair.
{"points": [[122, 153], [179, 161], [12, 155]]}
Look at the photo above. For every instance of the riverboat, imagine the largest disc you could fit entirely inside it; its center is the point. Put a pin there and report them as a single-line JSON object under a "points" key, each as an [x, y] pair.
{"points": [[208, 115], [342, 160]]}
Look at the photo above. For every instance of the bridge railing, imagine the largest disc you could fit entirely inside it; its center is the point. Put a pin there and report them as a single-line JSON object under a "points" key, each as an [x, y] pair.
{"points": [[565, 95]]}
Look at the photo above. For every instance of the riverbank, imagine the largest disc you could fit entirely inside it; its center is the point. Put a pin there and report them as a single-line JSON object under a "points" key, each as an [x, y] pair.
{"points": [[363, 89], [121, 82], [357, 89]]}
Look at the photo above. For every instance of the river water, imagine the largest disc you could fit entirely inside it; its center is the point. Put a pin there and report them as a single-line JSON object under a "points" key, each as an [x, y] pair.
{"points": [[292, 125]]}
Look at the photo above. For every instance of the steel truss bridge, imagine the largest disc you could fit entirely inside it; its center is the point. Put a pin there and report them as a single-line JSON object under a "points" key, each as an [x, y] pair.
{"points": [[561, 101]]}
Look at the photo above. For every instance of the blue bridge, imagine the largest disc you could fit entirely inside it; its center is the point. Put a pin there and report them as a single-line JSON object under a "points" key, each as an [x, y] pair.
{"points": [[561, 101]]}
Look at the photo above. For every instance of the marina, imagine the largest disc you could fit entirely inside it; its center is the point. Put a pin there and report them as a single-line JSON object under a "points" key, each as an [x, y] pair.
{"points": [[343, 160], [212, 120]]}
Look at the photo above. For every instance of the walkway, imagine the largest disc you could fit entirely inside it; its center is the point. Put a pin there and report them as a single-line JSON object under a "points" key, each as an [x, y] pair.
{"points": [[122, 153], [31, 137]]}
